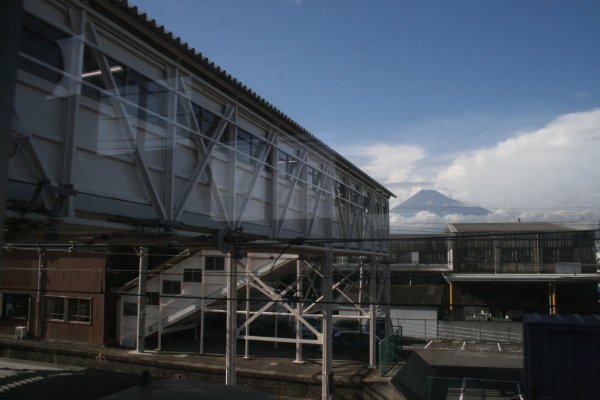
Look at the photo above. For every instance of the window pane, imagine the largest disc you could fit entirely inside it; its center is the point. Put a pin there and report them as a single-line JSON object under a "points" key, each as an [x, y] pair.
{"points": [[15, 305], [130, 309], [193, 275], [152, 298], [214, 263], [80, 310], [171, 287], [40, 40], [54, 308]]}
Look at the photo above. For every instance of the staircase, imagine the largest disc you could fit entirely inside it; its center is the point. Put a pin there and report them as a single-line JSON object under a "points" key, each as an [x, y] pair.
{"points": [[178, 313]]}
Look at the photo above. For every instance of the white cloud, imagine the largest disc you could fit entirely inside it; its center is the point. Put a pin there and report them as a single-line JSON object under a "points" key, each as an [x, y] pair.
{"points": [[392, 165], [553, 167]]}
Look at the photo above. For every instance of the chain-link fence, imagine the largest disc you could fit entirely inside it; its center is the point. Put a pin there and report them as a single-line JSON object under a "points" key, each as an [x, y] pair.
{"points": [[390, 350]]}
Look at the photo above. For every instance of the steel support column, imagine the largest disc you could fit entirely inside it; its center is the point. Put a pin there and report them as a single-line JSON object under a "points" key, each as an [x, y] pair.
{"points": [[231, 336], [247, 330], [372, 315], [299, 297], [327, 352], [141, 299]]}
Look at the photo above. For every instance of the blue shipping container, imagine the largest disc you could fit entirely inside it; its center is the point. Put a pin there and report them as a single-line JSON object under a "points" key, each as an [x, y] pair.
{"points": [[561, 355]]}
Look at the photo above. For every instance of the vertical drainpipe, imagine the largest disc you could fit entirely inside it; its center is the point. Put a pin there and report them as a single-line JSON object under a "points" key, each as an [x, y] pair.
{"points": [[141, 299]]}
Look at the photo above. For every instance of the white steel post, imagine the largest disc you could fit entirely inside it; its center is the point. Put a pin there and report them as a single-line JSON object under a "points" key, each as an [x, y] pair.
{"points": [[372, 315], [299, 297], [231, 337], [202, 303], [389, 327], [247, 329], [141, 299], [160, 311], [327, 352]]}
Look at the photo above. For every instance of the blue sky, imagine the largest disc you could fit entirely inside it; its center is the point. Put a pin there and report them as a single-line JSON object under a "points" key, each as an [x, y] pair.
{"points": [[435, 82]]}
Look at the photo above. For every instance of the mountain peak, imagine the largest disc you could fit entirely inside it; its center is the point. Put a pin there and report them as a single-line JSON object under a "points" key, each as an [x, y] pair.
{"points": [[436, 203]]}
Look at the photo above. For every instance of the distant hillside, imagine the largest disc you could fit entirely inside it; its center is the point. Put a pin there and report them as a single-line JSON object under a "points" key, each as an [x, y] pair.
{"points": [[436, 203]]}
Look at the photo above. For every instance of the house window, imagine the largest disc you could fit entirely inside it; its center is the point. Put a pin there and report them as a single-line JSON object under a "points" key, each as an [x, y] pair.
{"points": [[54, 308], [79, 310], [192, 275], [130, 309], [15, 305], [67, 309], [152, 298], [215, 263], [171, 287]]}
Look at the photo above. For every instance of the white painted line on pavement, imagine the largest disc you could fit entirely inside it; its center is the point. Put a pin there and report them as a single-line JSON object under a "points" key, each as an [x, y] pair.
{"points": [[463, 346], [499, 348], [427, 345]]}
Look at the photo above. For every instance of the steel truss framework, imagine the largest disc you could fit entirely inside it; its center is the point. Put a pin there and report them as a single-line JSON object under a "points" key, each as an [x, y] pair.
{"points": [[257, 191], [360, 292]]}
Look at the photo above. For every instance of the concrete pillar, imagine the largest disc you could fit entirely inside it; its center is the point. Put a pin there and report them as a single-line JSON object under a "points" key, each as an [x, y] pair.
{"points": [[141, 299]]}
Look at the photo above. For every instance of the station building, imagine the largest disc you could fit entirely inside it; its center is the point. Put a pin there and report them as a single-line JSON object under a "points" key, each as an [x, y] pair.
{"points": [[502, 269]]}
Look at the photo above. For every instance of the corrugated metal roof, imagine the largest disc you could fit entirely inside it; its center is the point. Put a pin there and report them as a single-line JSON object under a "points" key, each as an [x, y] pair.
{"points": [[159, 29], [506, 227]]}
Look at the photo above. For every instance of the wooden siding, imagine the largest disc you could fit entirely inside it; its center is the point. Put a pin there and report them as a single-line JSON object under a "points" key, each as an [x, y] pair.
{"points": [[79, 332], [64, 275], [18, 271], [80, 273]]}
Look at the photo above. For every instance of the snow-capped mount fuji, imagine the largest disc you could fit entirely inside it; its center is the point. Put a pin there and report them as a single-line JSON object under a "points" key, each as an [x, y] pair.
{"points": [[436, 203]]}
